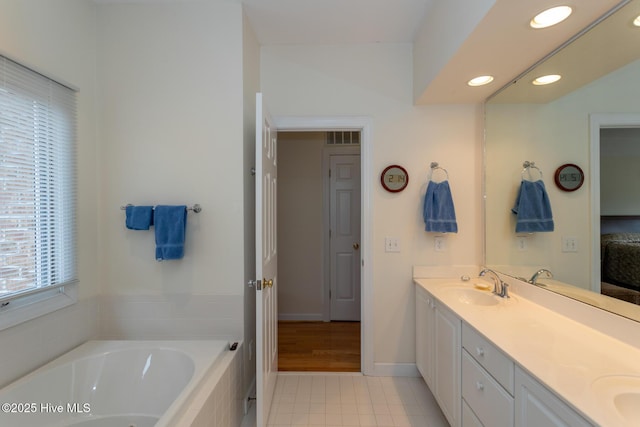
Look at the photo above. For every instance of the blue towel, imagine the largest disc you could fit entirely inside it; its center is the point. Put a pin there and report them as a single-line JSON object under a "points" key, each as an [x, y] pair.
{"points": [[533, 208], [139, 217], [438, 211], [170, 225]]}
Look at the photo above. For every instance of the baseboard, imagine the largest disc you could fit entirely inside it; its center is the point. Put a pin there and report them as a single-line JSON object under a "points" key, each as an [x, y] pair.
{"points": [[394, 370], [317, 317]]}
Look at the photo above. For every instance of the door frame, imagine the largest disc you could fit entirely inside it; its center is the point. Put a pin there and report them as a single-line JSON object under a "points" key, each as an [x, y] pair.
{"points": [[327, 152], [599, 121], [364, 125]]}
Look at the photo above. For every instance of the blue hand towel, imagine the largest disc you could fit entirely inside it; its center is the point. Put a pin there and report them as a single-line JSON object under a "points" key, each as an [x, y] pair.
{"points": [[170, 225], [438, 211], [139, 217], [533, 208]]}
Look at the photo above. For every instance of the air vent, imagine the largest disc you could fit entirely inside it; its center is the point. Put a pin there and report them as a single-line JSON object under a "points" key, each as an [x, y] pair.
{"points": [[343, 138]]}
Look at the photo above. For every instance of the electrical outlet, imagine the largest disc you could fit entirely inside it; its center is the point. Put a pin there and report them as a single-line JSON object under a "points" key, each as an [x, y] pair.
{"points": [[439, 244], [522, 243], [569, 244], [391, 244]]}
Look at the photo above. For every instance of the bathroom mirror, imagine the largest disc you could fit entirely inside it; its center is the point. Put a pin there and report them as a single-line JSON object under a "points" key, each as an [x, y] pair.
{"points": [[587, 118]]}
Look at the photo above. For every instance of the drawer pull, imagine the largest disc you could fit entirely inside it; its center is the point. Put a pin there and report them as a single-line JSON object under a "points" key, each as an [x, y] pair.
{"points": [[480, 351], [479, 385]]}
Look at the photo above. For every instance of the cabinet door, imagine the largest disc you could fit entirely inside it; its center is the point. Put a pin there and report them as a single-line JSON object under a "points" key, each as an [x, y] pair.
{"points": [[536, 406], [447, 363], [424, 335]]}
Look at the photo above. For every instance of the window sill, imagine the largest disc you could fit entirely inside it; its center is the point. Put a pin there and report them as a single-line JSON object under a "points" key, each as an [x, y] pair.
{"points": [[27, 308]]}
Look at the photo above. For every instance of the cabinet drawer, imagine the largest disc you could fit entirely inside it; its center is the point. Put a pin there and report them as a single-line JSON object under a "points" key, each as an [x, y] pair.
{"points": [[469, 419], [489, 401], [486, 354]]}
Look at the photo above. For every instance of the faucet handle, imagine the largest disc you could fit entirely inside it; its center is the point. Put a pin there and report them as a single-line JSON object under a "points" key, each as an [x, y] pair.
{"points": [[505, 290]]}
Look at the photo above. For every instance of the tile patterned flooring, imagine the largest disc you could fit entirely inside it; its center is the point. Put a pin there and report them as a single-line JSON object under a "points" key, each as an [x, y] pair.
{"points": [[338, 400]]}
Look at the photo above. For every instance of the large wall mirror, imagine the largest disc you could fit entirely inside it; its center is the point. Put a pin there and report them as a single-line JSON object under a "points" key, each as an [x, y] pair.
{"points": [[589, 118]]}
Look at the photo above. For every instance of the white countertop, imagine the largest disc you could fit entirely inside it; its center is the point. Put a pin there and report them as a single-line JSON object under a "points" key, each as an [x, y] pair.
{"points": [[564, 355]]}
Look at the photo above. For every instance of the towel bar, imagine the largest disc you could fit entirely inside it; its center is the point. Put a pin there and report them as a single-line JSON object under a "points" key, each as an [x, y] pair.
{"points": [[195, 208]]}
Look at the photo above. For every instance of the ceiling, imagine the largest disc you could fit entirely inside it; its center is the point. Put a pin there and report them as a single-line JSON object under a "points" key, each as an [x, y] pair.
{"points": [[606, 47], [335, 21], [502, 44]]}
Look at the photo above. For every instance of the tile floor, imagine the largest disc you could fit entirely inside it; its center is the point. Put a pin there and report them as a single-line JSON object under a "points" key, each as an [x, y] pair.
{"points": [[337, 400]]}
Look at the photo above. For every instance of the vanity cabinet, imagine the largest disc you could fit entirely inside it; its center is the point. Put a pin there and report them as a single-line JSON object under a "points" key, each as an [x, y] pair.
{"points": [[537, 406], [425, 315], [487, 382], [438, 346], [473, 381]]}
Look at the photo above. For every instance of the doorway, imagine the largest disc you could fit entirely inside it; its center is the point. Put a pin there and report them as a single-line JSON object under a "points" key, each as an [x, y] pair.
{"points": [[319, 210], [619, 220], [609, 213]]}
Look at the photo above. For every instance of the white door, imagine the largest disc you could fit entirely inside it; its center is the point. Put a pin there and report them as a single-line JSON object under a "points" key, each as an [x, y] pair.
{"points": [[344, 200], [266, 262]]}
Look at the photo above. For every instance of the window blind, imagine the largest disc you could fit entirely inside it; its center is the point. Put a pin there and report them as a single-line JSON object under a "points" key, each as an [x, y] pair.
{"points": [[37, 182]]}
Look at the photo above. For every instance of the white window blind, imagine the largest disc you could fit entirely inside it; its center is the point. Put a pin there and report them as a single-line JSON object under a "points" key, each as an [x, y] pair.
{"points": [[37, 183]]}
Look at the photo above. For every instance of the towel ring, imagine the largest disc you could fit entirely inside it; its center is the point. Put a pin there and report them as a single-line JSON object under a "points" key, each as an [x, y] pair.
{"points": [[527, 168], [434, 167]]}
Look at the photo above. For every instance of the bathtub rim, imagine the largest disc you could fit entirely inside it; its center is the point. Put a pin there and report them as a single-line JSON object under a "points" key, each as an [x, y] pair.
{"points": [[199, 351]]}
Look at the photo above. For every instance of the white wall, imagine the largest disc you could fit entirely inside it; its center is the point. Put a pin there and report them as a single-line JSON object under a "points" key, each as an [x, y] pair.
{"points": [[376, 81], [171, 126], [300, 225], [58, 40]]}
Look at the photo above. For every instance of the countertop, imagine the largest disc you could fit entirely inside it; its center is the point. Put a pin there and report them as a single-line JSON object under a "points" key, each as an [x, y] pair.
{"points": [[564, 355]]}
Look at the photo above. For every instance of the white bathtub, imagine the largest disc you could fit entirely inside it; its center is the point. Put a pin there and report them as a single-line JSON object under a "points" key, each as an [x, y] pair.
{"points": [[113, 384]]}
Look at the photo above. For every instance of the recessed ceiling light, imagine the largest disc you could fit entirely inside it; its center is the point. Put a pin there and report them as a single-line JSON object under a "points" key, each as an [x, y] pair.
{"points": [[480, 81], [550, 17], [636, 21], [547, 80]]}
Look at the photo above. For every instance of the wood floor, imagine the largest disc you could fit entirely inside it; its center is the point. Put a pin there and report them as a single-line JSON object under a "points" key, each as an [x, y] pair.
{"points": [[319, 346]]}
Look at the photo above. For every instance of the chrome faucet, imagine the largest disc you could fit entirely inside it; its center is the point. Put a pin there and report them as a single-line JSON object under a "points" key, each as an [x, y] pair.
{"points": [[499, 287], [534, 278]]}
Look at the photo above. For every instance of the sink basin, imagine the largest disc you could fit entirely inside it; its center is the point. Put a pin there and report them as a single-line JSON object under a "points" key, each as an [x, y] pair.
{"points": [[472, 296], [620, 394]]}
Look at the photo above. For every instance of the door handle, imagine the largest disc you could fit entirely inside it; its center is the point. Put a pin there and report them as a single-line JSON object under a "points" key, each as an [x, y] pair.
{"points": [[356, 246], [268, 283]]}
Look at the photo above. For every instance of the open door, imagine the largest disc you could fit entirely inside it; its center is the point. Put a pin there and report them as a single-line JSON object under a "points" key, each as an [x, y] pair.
{"points": [[266, 263]]}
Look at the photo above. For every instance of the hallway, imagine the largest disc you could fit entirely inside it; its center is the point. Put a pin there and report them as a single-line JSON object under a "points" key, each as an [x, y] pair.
{"points": [[319, 346]]}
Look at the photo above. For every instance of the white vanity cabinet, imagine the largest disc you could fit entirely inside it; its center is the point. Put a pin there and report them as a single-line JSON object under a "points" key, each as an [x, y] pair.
{"points": [[487, 382], [473, 381], [537, 406], [425, 328], [438, 347]]}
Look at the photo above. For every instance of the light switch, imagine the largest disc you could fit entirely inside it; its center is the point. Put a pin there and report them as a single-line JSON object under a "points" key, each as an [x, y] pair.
{"points": [[391, 244], [569, 244]]}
